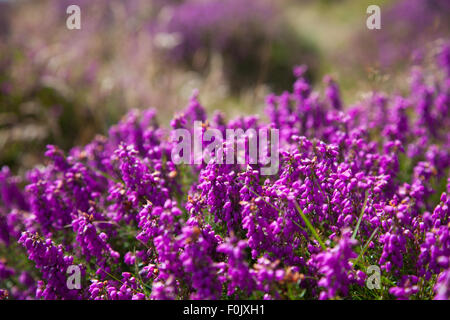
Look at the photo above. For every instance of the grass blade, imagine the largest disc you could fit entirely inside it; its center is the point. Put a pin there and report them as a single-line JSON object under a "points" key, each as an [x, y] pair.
{"points": [[366, 245], [360, 217], [310, 226]]}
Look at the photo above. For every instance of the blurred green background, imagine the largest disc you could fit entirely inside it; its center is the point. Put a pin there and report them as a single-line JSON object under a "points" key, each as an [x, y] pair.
{"points": [[60, 86]]}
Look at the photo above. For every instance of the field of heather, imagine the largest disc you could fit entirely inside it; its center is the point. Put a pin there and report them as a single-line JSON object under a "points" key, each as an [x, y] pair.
{"points": [[216, 150]]}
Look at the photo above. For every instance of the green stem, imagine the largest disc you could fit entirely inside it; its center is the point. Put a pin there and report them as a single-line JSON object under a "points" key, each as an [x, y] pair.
{"points": [[360, 216], [366, 245], [310, 226]]}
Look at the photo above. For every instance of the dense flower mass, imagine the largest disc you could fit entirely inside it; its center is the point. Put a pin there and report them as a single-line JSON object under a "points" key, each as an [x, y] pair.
{"points": [[357, 186]]}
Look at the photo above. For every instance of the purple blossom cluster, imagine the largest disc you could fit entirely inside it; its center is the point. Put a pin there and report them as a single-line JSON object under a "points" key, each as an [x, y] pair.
{"points": [[357, 186], [51, 261]]}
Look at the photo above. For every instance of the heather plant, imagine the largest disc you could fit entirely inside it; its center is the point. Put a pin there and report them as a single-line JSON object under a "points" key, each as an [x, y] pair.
{"points": [[358, 186]]}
